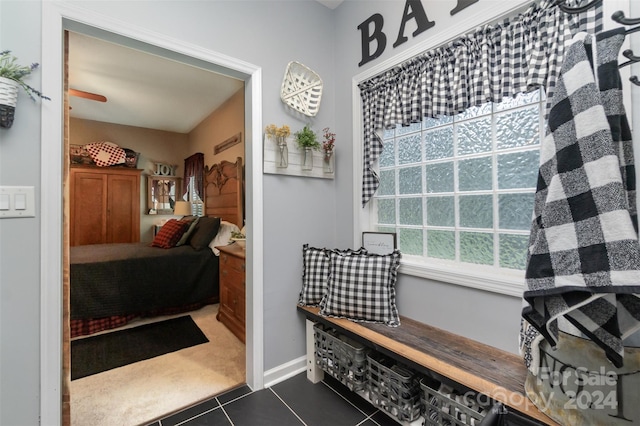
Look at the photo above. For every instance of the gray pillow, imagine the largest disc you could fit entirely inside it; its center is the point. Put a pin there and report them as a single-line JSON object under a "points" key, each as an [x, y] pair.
{"points": [[192, 227]]}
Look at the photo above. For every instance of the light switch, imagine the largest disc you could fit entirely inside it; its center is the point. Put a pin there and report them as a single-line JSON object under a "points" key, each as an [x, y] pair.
{"points": [[4, 201], [21, 201], [17, 201]]}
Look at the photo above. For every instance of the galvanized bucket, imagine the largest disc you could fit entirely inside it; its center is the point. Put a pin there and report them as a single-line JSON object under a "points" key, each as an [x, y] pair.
{"points": [[577, 385]]}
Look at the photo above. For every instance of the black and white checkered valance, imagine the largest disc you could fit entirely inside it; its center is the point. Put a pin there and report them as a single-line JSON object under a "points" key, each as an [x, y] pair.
{"points": [[497, 61]]}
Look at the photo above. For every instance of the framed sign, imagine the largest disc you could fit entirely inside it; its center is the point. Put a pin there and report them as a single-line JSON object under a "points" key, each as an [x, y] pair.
{"points": [[379, 242], [233, 140]]}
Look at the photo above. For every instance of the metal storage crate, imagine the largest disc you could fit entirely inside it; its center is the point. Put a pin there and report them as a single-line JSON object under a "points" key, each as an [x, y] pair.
{"points": [[393, 387], [450, 408], [342, 357]]}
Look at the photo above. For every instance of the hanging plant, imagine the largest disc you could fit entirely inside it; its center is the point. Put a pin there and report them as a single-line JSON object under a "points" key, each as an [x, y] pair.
{"points": [[12, 77], [307, 138]]}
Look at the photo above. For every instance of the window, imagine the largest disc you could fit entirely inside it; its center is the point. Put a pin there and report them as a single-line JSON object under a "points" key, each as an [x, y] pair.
{"points": [[460, 190], [197, 206]]}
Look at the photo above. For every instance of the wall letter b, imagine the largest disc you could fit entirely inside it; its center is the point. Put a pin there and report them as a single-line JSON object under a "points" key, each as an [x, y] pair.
{"points": [[381, 39]]}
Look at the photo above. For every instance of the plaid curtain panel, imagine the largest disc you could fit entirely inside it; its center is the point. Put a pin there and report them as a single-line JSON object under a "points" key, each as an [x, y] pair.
{"points": [[363, 288], [493, 62], [584, 257]]}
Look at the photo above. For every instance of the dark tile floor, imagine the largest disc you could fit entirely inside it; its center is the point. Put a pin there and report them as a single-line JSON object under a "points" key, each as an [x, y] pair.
{"points": [[295, 401]]}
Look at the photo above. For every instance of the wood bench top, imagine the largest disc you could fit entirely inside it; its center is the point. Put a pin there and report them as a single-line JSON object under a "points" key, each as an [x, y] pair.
{"points": [[480, 367]]}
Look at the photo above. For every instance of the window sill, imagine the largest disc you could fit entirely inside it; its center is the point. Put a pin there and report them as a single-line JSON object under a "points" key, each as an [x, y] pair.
{"points": [[507, 282]]}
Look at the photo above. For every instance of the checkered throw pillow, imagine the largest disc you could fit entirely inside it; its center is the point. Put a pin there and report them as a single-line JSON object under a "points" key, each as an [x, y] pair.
{"points": [[315, 273], [106, 153], [170, 234], [363, 288]]}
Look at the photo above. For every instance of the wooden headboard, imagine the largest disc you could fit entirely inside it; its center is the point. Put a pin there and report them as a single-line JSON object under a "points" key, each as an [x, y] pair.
{"points": [[224, 191]]}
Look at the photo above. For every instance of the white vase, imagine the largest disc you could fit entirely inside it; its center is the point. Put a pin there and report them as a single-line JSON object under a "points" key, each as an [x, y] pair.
{"points": [[8, 101]]}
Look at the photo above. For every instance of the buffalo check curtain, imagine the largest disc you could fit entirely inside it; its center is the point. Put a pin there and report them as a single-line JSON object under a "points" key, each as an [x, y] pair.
{"points": [[493, 62]]}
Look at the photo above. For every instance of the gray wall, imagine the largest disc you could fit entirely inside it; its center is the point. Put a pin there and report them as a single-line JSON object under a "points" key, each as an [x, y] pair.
{"points": [[268, 34], [20, 238], [488, 317], [485, 316]]}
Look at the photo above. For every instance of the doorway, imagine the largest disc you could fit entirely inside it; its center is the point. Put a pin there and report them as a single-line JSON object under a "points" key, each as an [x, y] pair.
{"points": [[133, 81], [56, 19]]}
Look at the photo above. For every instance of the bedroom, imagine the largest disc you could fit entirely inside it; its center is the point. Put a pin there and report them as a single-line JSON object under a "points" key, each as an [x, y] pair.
{"points": [[212, 111]]}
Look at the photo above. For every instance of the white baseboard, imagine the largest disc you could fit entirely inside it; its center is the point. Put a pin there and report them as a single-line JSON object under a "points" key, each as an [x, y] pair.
{"points": [[285, 371]]}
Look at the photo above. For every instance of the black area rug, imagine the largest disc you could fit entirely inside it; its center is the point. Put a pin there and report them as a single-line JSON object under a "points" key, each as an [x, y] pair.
{"points": [[104, 352]]}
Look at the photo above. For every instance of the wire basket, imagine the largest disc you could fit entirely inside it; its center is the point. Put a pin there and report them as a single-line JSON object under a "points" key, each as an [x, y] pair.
{"points": [[448, 407], [343, 358], [301, 89], [393, 387]]}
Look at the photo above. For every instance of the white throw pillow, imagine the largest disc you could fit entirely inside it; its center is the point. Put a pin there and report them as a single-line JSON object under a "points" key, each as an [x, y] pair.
{"points": [[223, 238]]}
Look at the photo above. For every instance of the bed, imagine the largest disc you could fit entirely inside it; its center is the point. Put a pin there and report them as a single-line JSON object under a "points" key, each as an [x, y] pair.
{"points": [[111, 284]]}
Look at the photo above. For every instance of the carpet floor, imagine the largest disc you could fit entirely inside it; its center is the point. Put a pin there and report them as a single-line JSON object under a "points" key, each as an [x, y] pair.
{"points": [[139, 393]]}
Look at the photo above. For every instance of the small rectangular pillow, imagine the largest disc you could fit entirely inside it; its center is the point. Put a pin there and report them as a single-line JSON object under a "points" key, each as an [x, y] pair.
{"points": [[206, 229], [192, 221], [315, 273], [362, 287], [170, 234]]}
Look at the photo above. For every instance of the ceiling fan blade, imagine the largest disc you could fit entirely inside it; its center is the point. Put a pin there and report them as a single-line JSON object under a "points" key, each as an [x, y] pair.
{"points": [[87, 95]]}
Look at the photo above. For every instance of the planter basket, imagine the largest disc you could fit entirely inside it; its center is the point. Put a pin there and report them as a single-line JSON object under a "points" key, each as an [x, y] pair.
{"points": [[8, 100], [301, 89]]}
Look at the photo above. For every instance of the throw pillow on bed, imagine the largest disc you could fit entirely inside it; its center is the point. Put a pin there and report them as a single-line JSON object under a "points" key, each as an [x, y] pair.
{"points": [[205, 230], [362, 287], [315, 272], [170, 234], [192, 221]]}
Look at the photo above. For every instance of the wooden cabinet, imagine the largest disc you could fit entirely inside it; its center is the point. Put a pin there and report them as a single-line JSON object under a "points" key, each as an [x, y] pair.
{"points": [[105, 205], [232, 289]]}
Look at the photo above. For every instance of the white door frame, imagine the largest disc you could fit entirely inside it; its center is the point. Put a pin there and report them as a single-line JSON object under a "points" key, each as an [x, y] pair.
{"points": [[56, 17]]}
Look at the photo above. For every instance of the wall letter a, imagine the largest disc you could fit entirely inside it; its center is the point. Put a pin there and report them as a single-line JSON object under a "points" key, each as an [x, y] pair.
{"points": [[417, 13], [381, 39]]}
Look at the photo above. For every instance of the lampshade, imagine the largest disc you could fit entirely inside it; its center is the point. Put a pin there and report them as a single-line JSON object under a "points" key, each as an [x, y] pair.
{"points": [[182, 208]]}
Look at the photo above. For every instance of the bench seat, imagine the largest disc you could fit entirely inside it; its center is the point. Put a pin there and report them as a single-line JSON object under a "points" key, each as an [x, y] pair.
{"points": [[477, 366]]}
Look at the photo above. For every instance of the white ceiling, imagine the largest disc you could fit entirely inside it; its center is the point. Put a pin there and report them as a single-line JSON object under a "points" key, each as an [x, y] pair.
{"points": [[142, 89]]}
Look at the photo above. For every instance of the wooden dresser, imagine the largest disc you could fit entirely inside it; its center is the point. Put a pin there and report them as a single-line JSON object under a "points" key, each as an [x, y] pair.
{"points": [[232, 289], [105, 205]]}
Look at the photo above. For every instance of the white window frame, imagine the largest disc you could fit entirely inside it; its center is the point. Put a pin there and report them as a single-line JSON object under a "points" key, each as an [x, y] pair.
{"points": [[507, 282]]}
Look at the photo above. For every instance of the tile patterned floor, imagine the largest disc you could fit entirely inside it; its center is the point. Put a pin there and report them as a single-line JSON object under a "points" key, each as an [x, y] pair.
{"points": [[295, 401]]}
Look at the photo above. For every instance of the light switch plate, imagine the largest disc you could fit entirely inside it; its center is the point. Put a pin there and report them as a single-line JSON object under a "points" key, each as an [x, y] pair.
{"points": [[26, 204]]}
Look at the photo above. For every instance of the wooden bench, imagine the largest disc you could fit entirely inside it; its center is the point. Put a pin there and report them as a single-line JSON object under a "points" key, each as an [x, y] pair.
{"points": [[426, 349]]}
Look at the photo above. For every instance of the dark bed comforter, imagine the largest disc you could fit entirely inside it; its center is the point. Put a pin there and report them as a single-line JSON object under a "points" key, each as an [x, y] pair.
{"points": [[134, 278]]}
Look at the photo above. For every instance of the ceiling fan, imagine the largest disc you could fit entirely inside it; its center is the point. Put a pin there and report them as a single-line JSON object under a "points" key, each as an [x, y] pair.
{"points": [[87, 95]]}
